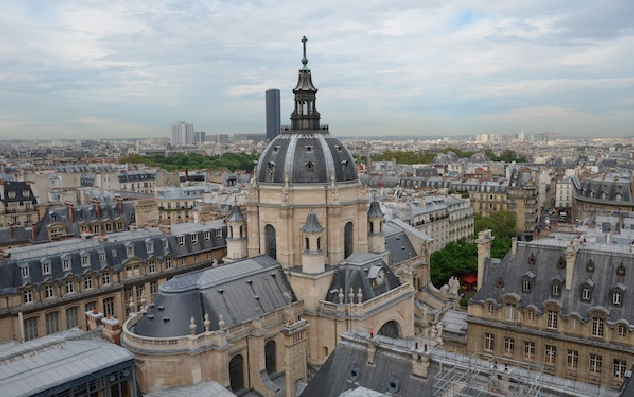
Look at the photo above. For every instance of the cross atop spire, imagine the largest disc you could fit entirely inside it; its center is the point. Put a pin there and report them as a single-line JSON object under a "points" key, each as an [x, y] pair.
{"points": [[304, 60]]}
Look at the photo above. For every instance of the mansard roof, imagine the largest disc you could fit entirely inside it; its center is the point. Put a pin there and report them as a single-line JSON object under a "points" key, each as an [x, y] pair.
{"points": [[599, 267], [358, 271], [238, 291], [114, 249]]}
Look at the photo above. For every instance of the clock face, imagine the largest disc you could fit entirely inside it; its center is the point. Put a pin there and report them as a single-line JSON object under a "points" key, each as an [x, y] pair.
{"points": [[380, 277]]}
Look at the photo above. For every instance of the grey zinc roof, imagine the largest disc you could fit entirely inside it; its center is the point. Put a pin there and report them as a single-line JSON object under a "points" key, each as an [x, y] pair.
{"points": [[238, 291], [545, 271], [34, 367]]}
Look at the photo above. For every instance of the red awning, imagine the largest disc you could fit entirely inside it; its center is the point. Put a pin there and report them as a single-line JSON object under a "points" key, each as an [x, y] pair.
{"points": [[470, 278]]}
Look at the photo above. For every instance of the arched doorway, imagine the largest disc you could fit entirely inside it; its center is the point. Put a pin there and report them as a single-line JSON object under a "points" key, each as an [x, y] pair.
{"points": [[236, 373], [269, 355], [390, 329], [348, 240], [271, 243]]}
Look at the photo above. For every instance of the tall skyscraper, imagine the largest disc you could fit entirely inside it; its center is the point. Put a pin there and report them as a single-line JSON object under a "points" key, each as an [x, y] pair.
{"points": [[273, 125], [182, 134]]}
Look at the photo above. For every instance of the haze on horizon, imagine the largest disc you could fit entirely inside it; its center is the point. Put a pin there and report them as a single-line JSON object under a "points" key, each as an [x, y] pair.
{"points": [[96, 69]]}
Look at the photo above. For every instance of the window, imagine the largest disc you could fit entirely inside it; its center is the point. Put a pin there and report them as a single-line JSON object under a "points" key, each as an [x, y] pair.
{"points": [[153, 287], [30, 328], [530, 315], [553, 318], [70, 287], [489, 341], [619, 368], [25, 271], [184, 261], [102, 257], [168, 263], [617, 298], [108, 306], [509, 345], [152, 267], [66, 264], [550, 354], [52, 322], [106, 278], [529, 350], [573, 359], [85, 260], [622, 330], [130, 250], [585, 294], [50, 291], [510, 312], [219, 233], [88, 283], [573, 323], [181, 240], [72, 318], [598, 326], [28, 296], [556, 289], [194, 238], [207, 235], [526, 285], [490, 308], [150, 247], [596, 363], [114, 253]]}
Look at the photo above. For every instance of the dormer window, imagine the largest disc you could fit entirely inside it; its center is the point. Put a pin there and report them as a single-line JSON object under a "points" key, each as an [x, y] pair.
{"points": [[130, 250], [85, 260], [46, 267], [150, 246], [617, 298], [561, 263], [66, 264], [181, 240], [556, 289], [532, 259], [527, 281], [25, 271], [620, 270], [194, 238], [309, 149], [309, 166], [590, 266], [586, 294], [102, 257]]}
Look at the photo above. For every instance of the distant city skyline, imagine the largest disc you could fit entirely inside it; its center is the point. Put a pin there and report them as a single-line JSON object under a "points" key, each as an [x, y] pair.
{"points": [[120, 69]]}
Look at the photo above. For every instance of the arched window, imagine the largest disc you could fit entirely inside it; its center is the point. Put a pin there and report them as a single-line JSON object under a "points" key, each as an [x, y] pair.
{"points": [[271, 243], [348, 240], [236, 373], [371, 225], [269, 355], [390, 329], [307, 244]]}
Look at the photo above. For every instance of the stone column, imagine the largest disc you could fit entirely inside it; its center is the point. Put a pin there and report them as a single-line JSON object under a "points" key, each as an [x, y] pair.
{"points": [[295, 353]]}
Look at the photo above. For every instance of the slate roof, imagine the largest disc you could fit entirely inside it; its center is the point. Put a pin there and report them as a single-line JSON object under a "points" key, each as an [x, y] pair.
{"points": [[115, 251], [136, 176], [374, 210], [306, 158], [205, 389], [312, 224], [236, 214], [18, 189], [238, 291], [356, 272], [72, 217], [608, 187], [596, 267], [333, 378]]}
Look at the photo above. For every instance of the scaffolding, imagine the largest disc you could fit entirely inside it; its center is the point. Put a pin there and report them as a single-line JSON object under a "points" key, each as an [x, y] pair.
{"points": [[489, 376]]}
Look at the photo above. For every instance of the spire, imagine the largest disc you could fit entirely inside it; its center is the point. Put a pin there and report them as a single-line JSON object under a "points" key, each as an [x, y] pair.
{"points": [[312, 224], [236, 214], [374, 211], [305, 115]]}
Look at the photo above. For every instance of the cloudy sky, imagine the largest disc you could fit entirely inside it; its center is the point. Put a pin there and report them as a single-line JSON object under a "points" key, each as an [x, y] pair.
{"points": [[130, 68]]}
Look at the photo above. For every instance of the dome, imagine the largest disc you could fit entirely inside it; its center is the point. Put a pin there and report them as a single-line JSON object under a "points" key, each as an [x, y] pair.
{"points": [[305, 152], [306, 158]]}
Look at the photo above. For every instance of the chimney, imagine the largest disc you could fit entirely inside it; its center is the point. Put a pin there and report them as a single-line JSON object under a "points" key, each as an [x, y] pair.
{"points": [[484, 253], [514, 246], [420, 361], [12, 231], [371, 349]]}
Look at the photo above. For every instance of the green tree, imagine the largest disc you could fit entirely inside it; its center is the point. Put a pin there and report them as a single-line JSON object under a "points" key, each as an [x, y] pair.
{"points": [[456, 259]]}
